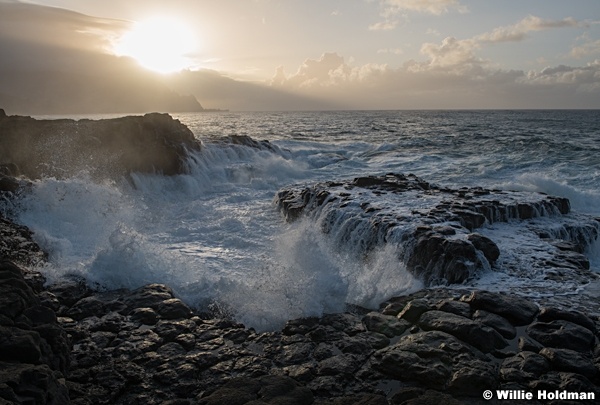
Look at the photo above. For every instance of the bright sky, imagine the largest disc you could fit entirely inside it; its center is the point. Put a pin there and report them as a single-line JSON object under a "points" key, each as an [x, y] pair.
{"points": [[308, 45], [253, 37]]}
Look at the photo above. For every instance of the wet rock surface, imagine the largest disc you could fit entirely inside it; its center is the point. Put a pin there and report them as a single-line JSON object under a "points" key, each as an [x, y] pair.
{"points": [[438, 229], [68, 343]]}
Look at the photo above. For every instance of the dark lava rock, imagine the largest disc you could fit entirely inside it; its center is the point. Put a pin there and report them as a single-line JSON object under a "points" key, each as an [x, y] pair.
{"points": [[263, 390], [500, 324], [34, 350], [486, 245], [570, 360], [524, 366], [439, 246], [517, 310], [107, 148], [476, 334], [455, 307], [440, 260], [23, 383], [385, 324], [562, 334], [431, 358], [414, 309], [548, 314]]}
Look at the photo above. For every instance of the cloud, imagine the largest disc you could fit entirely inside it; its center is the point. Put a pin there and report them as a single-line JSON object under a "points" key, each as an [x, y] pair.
{"points": [[395, 51], [436, 7], [49, 26], [519, 31], [393, 10], [452, 54], [582, 79], [589, 48], [384, 25], [452, 77]]}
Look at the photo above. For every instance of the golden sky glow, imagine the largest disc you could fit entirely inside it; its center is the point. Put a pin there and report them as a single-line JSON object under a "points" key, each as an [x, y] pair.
{"points": [[327, 54], [158, 44]]}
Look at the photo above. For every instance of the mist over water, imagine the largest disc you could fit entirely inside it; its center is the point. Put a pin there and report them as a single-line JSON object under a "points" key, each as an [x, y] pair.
{"points": [[216, 237]]}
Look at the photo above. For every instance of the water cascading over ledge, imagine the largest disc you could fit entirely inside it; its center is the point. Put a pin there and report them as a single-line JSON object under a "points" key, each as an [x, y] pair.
{"points": [[433, 227]]}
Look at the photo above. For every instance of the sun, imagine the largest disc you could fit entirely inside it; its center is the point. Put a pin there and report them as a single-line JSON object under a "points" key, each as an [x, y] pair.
{"points": [[159, 44]]}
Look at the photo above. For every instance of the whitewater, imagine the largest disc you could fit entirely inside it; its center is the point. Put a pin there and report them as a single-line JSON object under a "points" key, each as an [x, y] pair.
{"points": [[217, 238]]}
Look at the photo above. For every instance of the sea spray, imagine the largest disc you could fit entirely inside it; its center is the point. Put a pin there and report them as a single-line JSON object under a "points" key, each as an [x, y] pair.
{"points": [[214, 235]]}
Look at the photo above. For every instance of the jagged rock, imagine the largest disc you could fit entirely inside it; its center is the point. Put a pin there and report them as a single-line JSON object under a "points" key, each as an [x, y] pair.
{"points": [[124, 350], [267, 389], [476, 334], [32, 384], [473, 378], [360, 399], [437, 259], [437, 241], [34, 350], [562, 334], [17, 246], [414, 309], [553, 314], [454, 307], [430, 358], [385, 324], [517, 310], [562, 381], [148, 296], [106, 148], [486, 245], [416, 396], [9, 184], [69, 291], [526, 344], [500, 324], [173, 308], [524, 366], [146, 316], [570, 360]]}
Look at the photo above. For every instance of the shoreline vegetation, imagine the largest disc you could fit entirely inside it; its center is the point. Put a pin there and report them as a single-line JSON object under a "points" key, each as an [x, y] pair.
{"points": [[71, 343]]}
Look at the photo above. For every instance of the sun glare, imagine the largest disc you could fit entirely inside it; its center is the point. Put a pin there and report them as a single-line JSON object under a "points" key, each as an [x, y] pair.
{"points": [[159, 44]]}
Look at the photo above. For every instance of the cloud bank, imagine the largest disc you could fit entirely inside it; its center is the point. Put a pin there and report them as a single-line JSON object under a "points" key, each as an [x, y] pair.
{"points": [[452, 74]]}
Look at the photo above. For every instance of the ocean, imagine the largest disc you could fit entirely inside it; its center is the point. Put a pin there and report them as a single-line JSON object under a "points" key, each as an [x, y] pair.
{"points": [[216, 236]]}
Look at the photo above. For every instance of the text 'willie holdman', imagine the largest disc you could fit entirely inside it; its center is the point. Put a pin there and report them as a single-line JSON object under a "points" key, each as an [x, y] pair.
{"points": [[544, 395]]}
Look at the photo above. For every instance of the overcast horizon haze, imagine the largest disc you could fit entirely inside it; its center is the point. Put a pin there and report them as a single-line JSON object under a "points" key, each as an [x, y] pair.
{"points": [[61, 56]]}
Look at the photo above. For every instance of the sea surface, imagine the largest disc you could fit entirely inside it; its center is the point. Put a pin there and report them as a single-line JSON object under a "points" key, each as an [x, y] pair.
{"points": [[217, 238]]}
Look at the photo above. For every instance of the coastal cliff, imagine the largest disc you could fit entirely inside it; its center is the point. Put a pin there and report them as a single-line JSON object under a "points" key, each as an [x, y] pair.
{"points": [[104, 149]]}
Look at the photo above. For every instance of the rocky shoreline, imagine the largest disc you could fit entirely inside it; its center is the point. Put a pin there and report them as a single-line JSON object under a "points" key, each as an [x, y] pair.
{"points": [[66, 343]]}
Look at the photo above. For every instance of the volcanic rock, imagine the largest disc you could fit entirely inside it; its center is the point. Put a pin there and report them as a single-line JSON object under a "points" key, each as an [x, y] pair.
{"points": [[108, 148]]}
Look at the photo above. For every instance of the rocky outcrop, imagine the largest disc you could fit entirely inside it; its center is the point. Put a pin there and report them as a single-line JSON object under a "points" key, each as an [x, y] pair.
{"points": [[105, 149], [34, 349], [436, 228], [72, 344]]}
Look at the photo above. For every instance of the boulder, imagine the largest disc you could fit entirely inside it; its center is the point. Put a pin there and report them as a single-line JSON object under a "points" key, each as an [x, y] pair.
{"points": [[474, 333], [106, 149], [517, 310], [562, 334], [525, 366], [500, 324], [570, 360]]}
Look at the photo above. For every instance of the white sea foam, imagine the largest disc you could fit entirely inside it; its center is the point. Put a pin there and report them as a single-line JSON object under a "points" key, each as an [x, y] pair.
{"points": [[587, 201], [215, 236]]}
